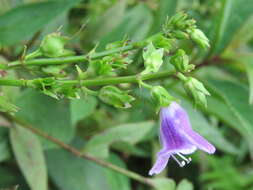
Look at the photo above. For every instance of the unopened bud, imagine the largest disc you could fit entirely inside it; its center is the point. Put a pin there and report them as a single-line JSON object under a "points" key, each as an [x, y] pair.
{"points": [[116, 97], [153, 59], [159, 41], [197, 90], [200, 38], [181, 61], [161, 96]]}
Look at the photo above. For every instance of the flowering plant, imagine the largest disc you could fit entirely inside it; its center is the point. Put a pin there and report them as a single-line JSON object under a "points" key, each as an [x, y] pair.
{"points": [[105, 94]]}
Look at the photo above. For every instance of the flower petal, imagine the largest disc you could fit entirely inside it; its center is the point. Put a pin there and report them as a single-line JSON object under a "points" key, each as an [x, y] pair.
{"points": [[170, 136], [199, 141], [177, 114], [160, 164]]}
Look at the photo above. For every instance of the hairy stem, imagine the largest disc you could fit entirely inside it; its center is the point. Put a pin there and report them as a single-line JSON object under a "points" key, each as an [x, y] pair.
{"points": [[94, 82], [74, 59], [77, 153]]}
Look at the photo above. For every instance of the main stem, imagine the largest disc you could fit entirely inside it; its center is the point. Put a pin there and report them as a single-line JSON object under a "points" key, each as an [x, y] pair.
{"points": [[77, 153], [74, 59], [94, 82]]}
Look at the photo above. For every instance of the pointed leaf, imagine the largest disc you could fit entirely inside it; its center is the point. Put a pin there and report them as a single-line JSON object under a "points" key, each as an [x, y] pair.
{"points": [[135, 25], [30, 157], [131, 133], [29, 18], [47, 114], [81, 108], [233, 14], [80, 174]]}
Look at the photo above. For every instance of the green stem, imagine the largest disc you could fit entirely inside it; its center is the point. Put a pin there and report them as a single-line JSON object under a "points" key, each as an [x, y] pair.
{"points": [[95, 82], [74, 59], [119, 80], [12, 82], [181, 77], [77, 153]]}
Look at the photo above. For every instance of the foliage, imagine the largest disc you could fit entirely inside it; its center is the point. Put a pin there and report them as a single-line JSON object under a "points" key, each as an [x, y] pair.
{"points": [[82, 82]]}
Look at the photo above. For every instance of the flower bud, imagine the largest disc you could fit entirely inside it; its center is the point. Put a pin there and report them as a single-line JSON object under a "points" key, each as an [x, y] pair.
{"points": [[100, 68], [81, 75], [178, 18], [116, 97], [181, 61], [161, 96], [180, 34], [197, 90], [159, 41], [53, 45], [200, 38], [153, 59]]}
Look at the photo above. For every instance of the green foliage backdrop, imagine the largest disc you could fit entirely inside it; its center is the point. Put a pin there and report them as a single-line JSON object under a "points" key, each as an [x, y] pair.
{"points": [[82, 114]]}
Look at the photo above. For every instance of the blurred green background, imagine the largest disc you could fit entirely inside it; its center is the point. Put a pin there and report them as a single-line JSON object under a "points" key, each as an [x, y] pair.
{"points": [[128, 137]]}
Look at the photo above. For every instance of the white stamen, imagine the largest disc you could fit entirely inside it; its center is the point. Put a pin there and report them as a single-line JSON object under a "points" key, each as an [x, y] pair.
{"points": [[188, 160], [181, 164]]}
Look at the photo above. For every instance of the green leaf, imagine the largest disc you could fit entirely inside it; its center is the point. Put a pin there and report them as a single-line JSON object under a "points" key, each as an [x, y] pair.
{"points": [[164, 184], [185, 185], [131, 133], [235, 96], [10, 178], [30, 157], [81, 108], [248, 63], [4, 144], [135, 25], [47, 114], [23, 21], [232, 16], [166, 9], [80, 174], [107, 22], [211, 133]]}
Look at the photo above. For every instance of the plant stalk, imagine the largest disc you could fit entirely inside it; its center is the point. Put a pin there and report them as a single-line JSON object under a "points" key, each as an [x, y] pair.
{"points": [[74, 59], [94, 82], [77, 153]]}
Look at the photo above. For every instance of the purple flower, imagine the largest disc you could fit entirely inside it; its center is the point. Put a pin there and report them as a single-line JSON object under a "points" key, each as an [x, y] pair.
{"points": [[177, 138]]}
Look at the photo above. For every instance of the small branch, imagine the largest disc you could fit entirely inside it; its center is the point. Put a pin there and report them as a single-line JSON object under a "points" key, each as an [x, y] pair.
{"points": [[74, 59], [77, 153], [94, 82]]}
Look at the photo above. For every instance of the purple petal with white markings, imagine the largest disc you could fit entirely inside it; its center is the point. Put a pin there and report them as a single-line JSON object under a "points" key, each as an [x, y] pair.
{"points": [[177, 138]]}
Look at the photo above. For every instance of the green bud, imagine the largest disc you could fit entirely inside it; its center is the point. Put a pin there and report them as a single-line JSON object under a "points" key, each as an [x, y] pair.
{"points": [[100, 68], [153, 59], [180, 34], [190, 22], [68, 91], [175, 22], [55, 70], [161, 96], [181, 61], [46, 86], [117, 61], [197, 90], [178, 18], [53, 46], [117, 44], [81, 75], [200, 38], [159, 41], [116, 97]]}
